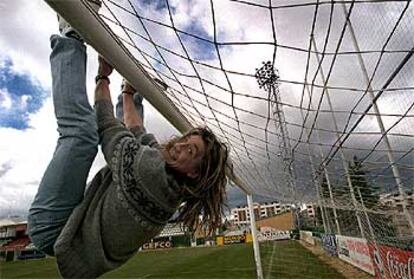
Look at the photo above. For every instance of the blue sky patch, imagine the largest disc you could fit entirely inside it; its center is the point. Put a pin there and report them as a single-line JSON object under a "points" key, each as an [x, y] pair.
{"points": [[200, 50], [157, 4], [20, 96]]}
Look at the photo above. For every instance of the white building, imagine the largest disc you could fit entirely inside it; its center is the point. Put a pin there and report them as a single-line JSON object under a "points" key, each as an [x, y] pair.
{"points": [[241, 216], [396, 201], [309, 208], [393, 204]]}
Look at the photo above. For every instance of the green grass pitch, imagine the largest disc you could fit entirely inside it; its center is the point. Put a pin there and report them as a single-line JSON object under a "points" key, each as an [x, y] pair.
{"points": [[283, 259]]}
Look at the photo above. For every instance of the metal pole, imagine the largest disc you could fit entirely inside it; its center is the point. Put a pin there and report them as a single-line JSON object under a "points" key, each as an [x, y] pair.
{"points": [[390, 154], [325, 171], [338, 229], [256, 247], [326, 174], [341, 152], [326, 225], [328, 181]]}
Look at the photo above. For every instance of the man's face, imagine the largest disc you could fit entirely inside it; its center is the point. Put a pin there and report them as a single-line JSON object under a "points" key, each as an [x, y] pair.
{"points": [[185, 156]]}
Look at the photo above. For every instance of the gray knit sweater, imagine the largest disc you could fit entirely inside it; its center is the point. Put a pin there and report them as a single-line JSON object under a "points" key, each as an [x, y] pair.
{"points": [[127, 203]]}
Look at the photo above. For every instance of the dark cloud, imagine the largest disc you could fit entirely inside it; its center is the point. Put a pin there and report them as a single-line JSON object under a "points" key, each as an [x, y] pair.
{"points": [[237, 197]]}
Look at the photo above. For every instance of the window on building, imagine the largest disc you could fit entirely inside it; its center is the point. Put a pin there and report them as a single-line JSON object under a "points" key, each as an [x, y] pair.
{"points": [[242, 216]]}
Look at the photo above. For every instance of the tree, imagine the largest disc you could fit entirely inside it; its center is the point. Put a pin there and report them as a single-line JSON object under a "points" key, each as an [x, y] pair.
{"points": [[325, 189], [365, 193]]}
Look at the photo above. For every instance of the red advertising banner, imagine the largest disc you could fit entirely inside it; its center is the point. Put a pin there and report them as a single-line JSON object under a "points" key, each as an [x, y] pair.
{"points": [[356, 252], [392, 263]]}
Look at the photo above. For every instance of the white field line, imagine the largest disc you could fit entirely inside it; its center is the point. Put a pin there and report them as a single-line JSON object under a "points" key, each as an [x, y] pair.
{"points": [[271, 261]]}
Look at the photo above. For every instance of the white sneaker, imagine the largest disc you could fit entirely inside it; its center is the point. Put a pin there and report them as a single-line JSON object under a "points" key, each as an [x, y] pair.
{"points": [[67, 30]]}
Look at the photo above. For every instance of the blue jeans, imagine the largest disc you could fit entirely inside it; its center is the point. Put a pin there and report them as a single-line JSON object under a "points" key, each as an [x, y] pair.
{"points": [[138, 105], [63, 184]]}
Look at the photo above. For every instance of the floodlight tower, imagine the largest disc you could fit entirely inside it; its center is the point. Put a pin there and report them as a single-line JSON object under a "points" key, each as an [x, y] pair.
{"points": [[268, 79]]}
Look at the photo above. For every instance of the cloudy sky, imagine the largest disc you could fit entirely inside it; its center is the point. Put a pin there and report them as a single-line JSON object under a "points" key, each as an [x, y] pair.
{"points": [[27, 128], [209, 66], [27, 125]]}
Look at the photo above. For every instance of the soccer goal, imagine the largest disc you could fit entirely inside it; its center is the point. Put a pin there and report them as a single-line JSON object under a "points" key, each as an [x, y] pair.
{"points": [[314, 99]]}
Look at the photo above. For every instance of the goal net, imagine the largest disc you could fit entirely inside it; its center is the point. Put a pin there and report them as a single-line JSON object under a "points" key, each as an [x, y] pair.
{"points": [[314, 98]]}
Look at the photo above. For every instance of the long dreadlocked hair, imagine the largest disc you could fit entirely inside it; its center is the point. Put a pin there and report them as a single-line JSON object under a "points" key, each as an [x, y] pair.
{"points": [[205, 194]]}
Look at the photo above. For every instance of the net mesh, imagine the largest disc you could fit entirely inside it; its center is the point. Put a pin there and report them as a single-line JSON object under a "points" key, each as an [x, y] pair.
{"points": [[314, 98]]}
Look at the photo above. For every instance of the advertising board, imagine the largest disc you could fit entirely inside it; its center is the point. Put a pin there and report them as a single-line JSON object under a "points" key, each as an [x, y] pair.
{"points": [[307, 237], [266, 235], [158, 243], [231, 239], [391, 262], [329, 244], [356, 252]]}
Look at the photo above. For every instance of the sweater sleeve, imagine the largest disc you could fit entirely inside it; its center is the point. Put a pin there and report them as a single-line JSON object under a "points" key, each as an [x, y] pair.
{"points": [[136, 165], [111, 130]]}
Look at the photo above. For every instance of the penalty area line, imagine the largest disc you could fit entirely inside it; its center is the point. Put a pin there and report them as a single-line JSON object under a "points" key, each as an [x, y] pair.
{"points": [[271, 260]]}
